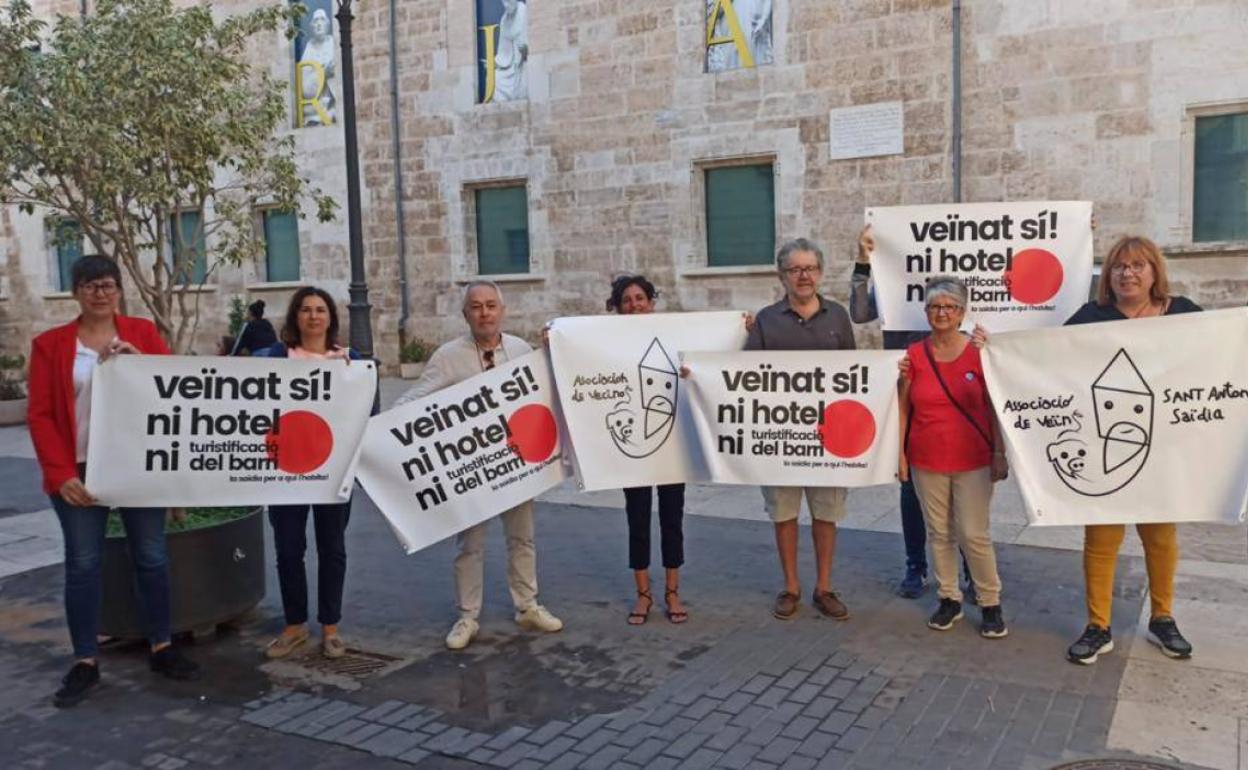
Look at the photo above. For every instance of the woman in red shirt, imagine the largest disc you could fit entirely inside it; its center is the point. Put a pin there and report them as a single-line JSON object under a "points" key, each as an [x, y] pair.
{"points": [[62, 362], [952, 448]]}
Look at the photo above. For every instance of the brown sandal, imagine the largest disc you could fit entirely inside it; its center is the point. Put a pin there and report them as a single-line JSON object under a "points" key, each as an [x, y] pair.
{"points": [[674, 616], [639, 618]]}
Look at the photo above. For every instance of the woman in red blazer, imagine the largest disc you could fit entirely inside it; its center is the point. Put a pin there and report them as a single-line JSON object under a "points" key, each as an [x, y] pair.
{"points": [[62, 362]]}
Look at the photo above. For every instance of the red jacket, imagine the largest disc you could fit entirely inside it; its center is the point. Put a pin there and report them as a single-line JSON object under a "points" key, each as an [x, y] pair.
{"points": [[50, 409]]}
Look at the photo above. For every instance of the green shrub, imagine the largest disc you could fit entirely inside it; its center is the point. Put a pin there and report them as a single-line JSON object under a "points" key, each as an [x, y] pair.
{"points": [[196, 518], [415, 351], [11, 377]]}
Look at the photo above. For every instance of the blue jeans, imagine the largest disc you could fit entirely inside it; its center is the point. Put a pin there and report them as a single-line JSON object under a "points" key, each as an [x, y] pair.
{"points": [[83, 528], [913, 528]]}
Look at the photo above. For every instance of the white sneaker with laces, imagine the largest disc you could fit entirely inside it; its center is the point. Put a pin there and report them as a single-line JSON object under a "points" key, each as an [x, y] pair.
{"points": [[538, 618], [462, 634]]}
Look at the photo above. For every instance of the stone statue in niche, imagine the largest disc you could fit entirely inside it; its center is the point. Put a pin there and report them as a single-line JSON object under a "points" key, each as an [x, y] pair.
{"points": [[316, 104], [512, 53]]}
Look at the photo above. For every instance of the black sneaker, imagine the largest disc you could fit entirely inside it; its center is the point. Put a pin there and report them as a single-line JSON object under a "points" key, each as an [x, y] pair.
{"points": [[993, 625], [912, 585], [1164, 633], [170, 663], [945, 615], [81, 678], [1096, 641]]}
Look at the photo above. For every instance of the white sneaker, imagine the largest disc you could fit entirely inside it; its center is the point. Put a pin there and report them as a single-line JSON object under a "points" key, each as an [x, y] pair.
{"points": [[462, 634], [538, 618]]}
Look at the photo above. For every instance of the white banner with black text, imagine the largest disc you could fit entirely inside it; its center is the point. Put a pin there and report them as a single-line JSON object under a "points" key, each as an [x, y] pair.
{"points": [[1026, 265], [797, 418], [212, 431], [1125, 422], [455, 458]]}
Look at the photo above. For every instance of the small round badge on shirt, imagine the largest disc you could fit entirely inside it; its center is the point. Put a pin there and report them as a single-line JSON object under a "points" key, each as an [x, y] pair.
{"points": [[970, 376]]}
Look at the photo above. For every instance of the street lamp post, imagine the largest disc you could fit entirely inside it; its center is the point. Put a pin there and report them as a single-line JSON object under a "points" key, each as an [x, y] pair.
{"points": [[358, 308]]}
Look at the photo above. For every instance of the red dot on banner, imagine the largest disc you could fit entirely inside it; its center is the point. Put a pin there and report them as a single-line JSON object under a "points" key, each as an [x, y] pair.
{"points": [[533, 433], [1035, 276], [301, 443], [848, 428]]}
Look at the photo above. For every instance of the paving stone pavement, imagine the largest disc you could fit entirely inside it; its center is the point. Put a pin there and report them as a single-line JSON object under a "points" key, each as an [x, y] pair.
{"points": [[733, 688]]}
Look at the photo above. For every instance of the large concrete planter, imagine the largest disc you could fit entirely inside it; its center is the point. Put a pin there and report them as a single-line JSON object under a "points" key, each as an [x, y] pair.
{"points": [[13, 412], [411, 371], [215, 573]]}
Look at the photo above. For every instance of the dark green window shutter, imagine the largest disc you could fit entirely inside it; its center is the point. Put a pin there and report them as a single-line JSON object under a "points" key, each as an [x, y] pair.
{"points": [[281, 245], [1220, 207], [502, 230], [740, 215]]}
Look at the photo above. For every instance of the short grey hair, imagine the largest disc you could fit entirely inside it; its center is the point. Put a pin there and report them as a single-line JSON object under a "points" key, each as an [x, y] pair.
{"points": [[797, 244], [478, 284], [946, 286]]}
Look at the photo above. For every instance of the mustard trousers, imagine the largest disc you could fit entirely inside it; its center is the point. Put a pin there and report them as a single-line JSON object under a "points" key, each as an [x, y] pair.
{"points": [[1100, 556]]}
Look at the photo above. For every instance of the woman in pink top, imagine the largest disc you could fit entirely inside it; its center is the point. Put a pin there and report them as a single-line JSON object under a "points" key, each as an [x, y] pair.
{"points": [[310, 332], [951, 446]]}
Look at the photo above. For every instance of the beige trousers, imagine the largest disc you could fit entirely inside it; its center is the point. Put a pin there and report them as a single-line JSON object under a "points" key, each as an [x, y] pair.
{"points": [[955, 507], [521, 562]]}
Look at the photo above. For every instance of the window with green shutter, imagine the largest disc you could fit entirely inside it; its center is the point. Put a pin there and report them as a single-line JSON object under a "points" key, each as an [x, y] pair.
{"points": [[1220, 206], [281, 245], [502, 230], [67, 241], [740, 215], [190, 264]]}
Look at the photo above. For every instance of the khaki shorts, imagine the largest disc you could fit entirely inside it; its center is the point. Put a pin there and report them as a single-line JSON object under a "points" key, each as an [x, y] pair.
{"points": [[784, 503]]}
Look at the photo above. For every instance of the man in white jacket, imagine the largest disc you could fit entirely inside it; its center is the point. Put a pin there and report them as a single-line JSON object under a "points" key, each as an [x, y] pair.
{"points": [[485, 347]]}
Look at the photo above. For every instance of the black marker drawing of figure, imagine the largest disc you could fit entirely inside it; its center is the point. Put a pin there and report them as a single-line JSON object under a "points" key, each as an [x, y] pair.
{"points": [[659, 380], [1123, 407]]}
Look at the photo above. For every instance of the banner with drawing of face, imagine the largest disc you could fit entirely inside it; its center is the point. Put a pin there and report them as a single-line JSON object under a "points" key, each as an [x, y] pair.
{"points": [[796, 418], [212, 431], [455, 458], [1026, 265], [1127, 421], [622, 397]]}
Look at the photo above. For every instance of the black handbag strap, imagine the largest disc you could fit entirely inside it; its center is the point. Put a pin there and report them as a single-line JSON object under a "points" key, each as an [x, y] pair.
{"points": [[927, 348]]}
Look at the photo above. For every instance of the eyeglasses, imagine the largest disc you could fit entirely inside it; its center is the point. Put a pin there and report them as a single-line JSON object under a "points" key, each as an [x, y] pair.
{"points": [[1138, 268], [103, 288], [944, 309], [794, 272]]}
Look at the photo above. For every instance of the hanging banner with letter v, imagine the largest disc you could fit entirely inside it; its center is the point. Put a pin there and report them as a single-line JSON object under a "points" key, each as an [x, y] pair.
{"points": [[1127, 422], [455, 458], [210, 431], [797, 418], [1027, 265]]}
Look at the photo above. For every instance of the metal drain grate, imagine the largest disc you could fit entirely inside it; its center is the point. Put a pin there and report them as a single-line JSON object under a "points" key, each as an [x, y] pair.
{"points": [[1113, 764], [359, 664]]}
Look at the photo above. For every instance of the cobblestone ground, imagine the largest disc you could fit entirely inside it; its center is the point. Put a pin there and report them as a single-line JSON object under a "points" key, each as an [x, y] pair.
{"points": [[732, 688]]}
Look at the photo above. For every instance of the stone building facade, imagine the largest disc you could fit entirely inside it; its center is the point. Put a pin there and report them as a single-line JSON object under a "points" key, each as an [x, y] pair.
{"points": [[620, 125], [31, 295]]}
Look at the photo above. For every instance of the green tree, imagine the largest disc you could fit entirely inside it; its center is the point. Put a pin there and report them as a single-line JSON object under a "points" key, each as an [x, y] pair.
{"points": [[125, 119]]}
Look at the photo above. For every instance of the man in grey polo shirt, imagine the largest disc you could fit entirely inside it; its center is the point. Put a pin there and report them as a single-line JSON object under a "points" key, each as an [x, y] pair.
{"points": [[804, 320]]}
